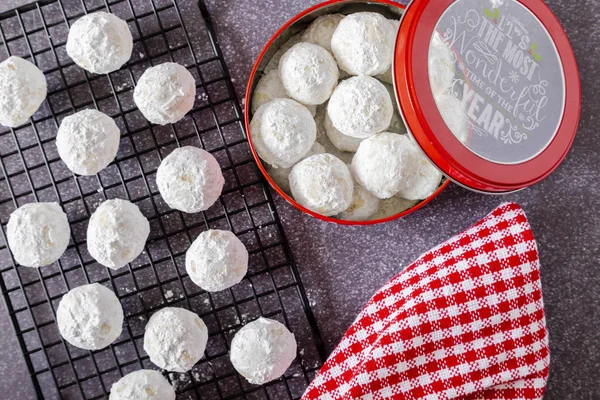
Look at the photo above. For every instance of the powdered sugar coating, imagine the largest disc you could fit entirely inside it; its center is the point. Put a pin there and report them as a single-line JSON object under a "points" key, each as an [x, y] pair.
{"points": [[283, 131], [363, 44], [392, 206], [268, 88], [216, 260], [144, 384], [263, 350], [165, 93], [22, 90], [117, 233], [88, 141], [388, 76], [308, 73], [90, 317], [100, 42], [38, 234], [385, 164], [339, 140], [323, 184], [360, 107], [363, 205], [273, 63], [426, 180], [321, 30], [175, 339], [190, 179], [454, 113], [281, 176]]}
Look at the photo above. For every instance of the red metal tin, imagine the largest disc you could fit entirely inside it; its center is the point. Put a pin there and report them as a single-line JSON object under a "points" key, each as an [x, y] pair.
{"points": [[419, 110], [247, 111]]}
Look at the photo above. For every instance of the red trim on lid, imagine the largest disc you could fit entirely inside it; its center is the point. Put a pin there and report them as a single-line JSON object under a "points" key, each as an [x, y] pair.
{"points": [[429, 129]]}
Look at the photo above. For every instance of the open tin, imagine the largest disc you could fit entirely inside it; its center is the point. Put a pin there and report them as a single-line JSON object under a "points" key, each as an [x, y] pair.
{"points": [[488, 89]]}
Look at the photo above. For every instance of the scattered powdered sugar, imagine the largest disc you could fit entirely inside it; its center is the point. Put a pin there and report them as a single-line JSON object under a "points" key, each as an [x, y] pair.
{"points": [[360, 107], [190, 179], [165, 93], [90, 317], [22, 91], [321, 30], [393, 206], [263, 350], [145, 384], [216, 260], [363, 44], [385, 164], [323, 184], [117, 233], [283, 131], [100, 42], [309, 73], [88, 141], [175, 339], [38, 234]]}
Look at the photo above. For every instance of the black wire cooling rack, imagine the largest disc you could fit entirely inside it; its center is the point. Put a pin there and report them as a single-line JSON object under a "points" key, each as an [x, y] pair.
{"points": [[30, 170]]}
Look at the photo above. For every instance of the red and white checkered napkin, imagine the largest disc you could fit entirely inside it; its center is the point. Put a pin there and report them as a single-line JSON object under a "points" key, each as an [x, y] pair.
{"points": [[466, 320]]}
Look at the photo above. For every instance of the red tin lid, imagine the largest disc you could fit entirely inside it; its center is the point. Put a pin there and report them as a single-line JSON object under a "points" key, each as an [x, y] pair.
{"points": [[489, 89]]}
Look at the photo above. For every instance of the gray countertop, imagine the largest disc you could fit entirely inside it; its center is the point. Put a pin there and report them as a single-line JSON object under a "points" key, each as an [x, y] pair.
{"points": [[343, 266]]}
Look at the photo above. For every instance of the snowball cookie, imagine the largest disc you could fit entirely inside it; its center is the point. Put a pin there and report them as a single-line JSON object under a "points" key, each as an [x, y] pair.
{"points": [[190, 179], [274, 61], [388, 76], [308, 73], [262, 350], [22, 91], [88, 141], [281, 175], [323, 184], [363, 43], [216, 260], [283, 131], [339, 140], [321, 30], [100, 42], [145, 384], [269, 88], [363, 205], [454, 113], [117, 233], [426, 180], [360, 107], [38, 234], [165, 93], [90, 317], [385, 164], [393, 206], [441, 62], [175, 339]]}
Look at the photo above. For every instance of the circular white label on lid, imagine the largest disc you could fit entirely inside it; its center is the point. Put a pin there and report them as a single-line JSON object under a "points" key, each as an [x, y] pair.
{"points": [[497, 79]]}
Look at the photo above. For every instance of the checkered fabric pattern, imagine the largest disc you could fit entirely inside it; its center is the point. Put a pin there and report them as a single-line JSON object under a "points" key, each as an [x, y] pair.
{"points": [[466, 320]]}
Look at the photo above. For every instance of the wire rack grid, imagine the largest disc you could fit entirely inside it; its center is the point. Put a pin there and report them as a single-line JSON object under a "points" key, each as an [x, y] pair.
{"points": [[30, 170]]}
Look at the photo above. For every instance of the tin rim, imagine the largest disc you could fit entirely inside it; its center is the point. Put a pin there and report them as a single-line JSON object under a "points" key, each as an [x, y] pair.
{"points": [[426, 125], [261, 167]]}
